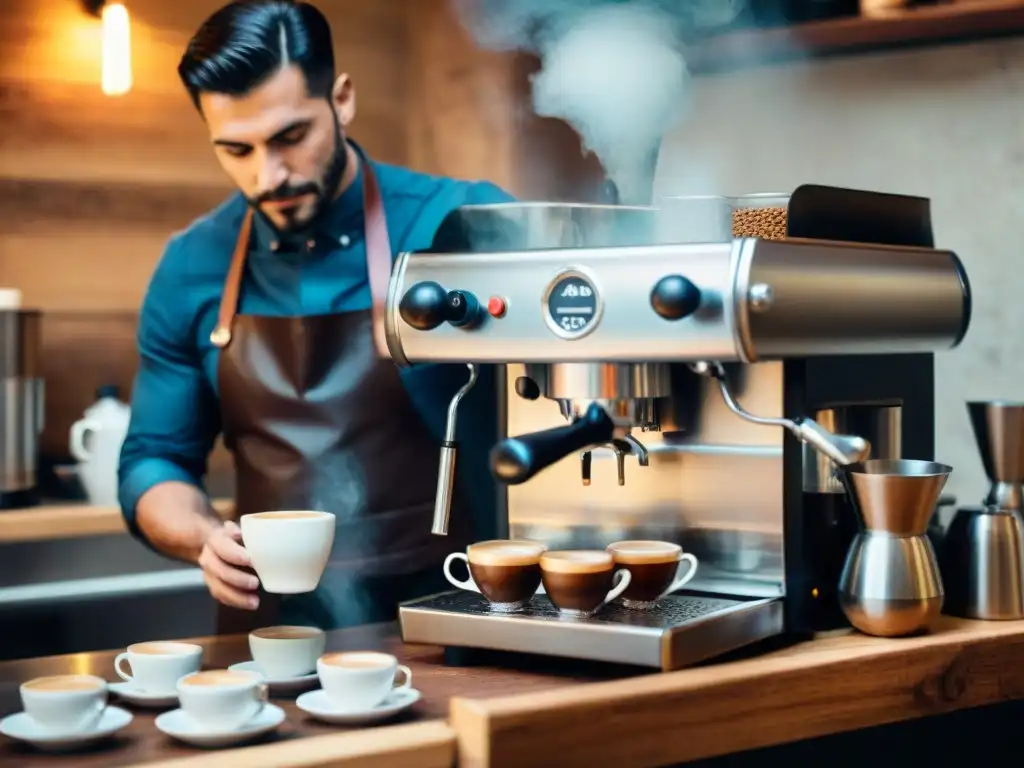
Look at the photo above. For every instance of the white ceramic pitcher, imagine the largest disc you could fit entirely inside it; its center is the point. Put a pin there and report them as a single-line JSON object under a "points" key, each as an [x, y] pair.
{"points": [[96, 441]]}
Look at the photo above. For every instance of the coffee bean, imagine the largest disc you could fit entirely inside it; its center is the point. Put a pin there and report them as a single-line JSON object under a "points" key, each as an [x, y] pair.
{"points": [[764, 223]]}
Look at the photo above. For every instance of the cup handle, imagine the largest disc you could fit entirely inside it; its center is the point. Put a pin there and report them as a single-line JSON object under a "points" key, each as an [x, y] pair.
{"points": [[262, 699], [624, 577], [682, 581], [407, 673], [117, 667], [468, 584]]}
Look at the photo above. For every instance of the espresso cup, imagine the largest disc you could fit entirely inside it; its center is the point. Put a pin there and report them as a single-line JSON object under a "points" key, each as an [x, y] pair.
{"points": [[655, 569], [286, 652], [505, 571], [222, 699], [581, 582], [65, 703], [356, 681], [156, 667], [288, 550]]}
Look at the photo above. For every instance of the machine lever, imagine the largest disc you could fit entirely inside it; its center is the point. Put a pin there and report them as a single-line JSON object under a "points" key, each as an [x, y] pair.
{"points": [[516, 459]]}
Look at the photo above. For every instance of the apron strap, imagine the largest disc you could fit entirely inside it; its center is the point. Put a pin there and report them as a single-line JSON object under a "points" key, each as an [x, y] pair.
{"points": [[378, 262], [378, 252]]}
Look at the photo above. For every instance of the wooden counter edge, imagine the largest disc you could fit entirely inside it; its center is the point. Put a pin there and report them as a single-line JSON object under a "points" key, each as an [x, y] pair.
{"points": [[429, 744], [69, 521], [817, 688]]}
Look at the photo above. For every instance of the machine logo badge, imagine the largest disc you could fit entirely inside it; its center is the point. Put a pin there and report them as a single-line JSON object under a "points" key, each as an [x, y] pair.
{"points": [[572, 305]]}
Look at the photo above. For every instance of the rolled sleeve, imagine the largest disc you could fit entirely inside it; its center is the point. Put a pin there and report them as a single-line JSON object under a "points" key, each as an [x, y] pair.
{"points": [[486, 193], [174, 420]]}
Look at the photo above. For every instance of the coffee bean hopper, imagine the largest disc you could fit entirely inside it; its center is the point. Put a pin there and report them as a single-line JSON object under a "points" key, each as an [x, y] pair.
{"points": [[693, 372]]}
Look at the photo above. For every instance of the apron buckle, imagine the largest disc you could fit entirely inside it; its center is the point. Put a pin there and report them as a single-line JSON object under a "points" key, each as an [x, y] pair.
{"points": [[221, 336]]}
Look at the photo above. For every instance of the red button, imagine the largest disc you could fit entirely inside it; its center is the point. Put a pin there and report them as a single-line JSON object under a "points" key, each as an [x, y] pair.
{"points": [[496, 306]]}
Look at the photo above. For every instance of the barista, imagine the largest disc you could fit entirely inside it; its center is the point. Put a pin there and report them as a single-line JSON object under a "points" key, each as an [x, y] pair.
{"points": [[257, 325]]}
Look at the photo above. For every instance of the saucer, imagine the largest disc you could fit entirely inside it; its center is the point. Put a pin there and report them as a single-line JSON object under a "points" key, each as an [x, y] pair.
{"points": [[283, 685], [178, 725], [23, 728], [130, 693], [317, 704]]}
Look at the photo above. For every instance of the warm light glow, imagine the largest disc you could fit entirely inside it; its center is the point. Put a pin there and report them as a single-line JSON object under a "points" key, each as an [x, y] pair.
{"points": [[117, 50]]}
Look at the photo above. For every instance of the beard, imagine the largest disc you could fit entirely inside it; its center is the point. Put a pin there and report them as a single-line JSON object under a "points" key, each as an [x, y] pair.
{"points": [[301, 217]]}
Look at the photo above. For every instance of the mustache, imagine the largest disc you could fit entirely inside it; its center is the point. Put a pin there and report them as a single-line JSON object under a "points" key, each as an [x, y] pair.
{"points": [[287, 191]]}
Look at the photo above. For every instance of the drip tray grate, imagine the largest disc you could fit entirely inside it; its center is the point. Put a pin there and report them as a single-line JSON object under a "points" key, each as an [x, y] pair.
{"points": [[670, 612], [681, 630]]}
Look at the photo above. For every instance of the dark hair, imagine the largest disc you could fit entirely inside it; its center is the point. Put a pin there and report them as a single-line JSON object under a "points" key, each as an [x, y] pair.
{"points": [[246, 42]]}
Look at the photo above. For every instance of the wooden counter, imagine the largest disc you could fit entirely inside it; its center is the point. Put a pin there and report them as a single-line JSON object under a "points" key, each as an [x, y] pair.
{"points": [[68, 521], [537, 713], [141, 744]]}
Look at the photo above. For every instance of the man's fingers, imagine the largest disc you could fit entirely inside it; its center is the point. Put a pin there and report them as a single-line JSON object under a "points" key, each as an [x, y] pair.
{"points": [[230, 575], [230, 596], [229, 550]]}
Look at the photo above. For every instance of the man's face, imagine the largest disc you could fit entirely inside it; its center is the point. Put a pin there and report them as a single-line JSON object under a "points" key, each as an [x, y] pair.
{"points": [[281, 146]]}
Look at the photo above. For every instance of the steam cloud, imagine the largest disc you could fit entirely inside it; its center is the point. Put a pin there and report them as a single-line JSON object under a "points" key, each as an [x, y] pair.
{"points": [[613, 69]]}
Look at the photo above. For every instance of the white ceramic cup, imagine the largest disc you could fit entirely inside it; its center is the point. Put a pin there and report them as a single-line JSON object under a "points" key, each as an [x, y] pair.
{"points": [[156, 667], [289, 549], [65, 703], [222, 699], [356, 681], [286, 652]]}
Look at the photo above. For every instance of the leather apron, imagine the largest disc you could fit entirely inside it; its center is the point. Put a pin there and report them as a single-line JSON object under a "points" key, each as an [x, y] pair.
{"points": [[316, 419]]}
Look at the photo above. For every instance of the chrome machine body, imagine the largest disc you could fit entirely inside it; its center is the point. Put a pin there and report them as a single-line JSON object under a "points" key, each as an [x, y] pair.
{"points": [[653, 337]]}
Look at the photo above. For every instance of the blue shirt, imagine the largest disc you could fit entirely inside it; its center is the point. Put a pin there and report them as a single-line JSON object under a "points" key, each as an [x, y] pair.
{"points": [[175, 416]]}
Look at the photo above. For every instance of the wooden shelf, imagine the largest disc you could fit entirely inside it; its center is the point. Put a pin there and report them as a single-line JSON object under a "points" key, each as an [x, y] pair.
{"points": [[68, 521], [952, 22]]}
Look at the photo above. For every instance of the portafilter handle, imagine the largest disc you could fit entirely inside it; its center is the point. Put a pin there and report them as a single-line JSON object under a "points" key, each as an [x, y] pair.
{"points": [[446, 466], [841, 449], [516, 459]]}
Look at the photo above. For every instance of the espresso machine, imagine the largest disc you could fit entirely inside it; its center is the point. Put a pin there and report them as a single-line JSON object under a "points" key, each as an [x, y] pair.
{"points": [[695, 371]]}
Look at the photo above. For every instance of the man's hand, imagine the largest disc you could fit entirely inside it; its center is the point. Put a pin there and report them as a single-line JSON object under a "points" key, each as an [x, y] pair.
{"points": [[222, 560]]}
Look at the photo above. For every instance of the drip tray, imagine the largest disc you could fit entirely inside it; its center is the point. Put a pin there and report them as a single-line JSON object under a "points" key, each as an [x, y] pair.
{"points": [[684, 629]]}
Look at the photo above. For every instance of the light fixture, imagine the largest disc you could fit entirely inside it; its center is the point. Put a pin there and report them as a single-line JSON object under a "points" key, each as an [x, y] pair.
{"points": [[116, 51]]}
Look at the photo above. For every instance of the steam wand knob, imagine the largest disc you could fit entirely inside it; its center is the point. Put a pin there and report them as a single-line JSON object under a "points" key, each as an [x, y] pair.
{"points": [[674, 297], [426, 305]]}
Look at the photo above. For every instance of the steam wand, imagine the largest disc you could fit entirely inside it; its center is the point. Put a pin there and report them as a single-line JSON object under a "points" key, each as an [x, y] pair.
{"points": [[449, 451], [842, 449]]}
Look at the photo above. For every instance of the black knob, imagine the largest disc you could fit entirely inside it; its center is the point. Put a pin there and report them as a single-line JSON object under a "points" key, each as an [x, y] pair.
{"points": [[527, 388], [674, 297], [517, 459], [463, 309], [426, 305]]}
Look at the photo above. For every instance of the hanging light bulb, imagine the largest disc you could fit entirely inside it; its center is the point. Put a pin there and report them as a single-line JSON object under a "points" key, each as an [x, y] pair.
{"points": [[116, 73]]}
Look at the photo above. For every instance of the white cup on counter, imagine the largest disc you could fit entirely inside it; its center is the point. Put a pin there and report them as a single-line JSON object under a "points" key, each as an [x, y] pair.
{"points": [[222, 699], [356, 681], [65, 704], [289, 550], [286, 652], [156, 667]]}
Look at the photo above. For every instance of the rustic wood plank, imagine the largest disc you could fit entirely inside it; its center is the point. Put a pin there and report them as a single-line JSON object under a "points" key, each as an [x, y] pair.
{"points": [[831, 685], [34, 205], [415, 745]]}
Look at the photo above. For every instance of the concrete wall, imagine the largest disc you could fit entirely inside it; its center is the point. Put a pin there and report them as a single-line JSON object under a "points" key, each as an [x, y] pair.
{"points": [[946, 123]]}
